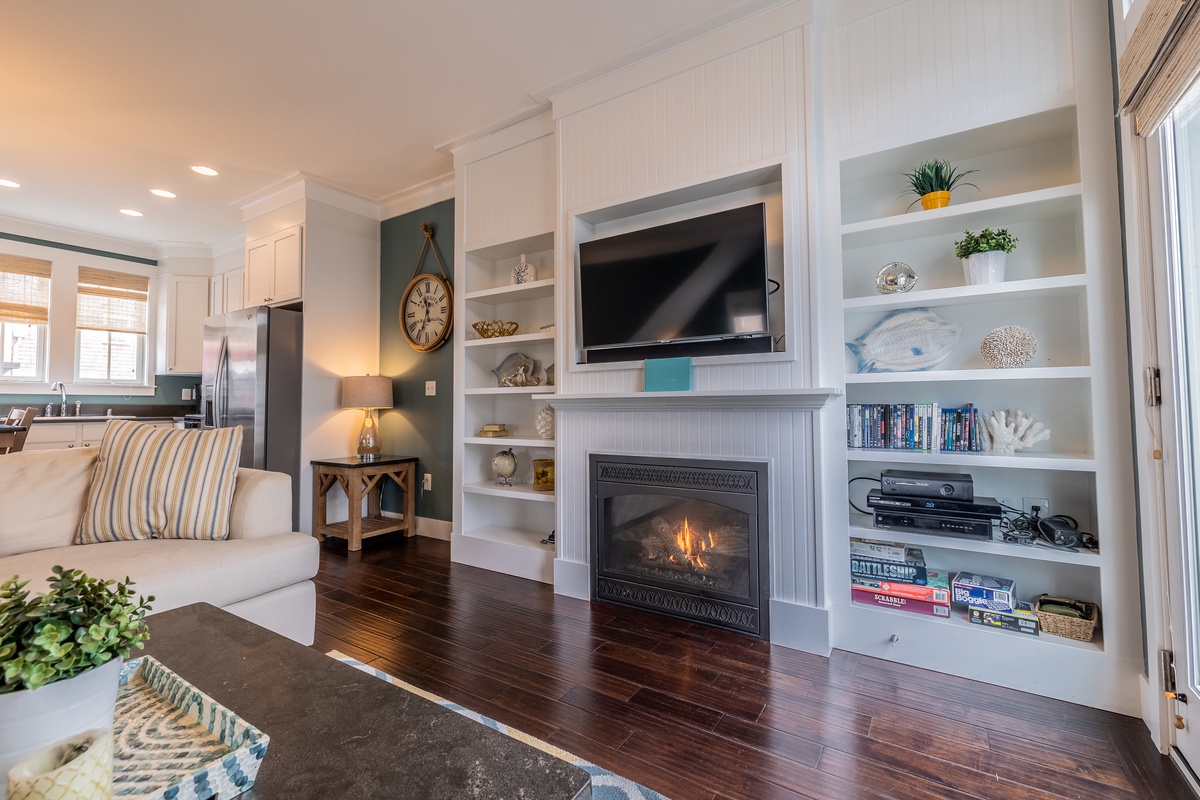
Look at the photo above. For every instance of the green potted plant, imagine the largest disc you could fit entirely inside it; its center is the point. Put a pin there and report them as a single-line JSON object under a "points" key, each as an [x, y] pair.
{"points": [[985, 254], [60, 658], [933, 181]]}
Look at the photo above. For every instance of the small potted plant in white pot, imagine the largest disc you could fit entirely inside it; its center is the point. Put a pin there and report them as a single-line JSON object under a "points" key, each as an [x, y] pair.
{"points": [[60, 658], [985, 254], [933, 181]]}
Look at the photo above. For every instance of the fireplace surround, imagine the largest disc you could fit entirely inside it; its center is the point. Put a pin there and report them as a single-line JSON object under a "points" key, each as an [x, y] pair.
{"points": [[685, 537]]}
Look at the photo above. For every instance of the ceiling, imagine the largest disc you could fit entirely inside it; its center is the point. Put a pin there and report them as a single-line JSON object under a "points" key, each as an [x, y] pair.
{"points": [[104, 101]]}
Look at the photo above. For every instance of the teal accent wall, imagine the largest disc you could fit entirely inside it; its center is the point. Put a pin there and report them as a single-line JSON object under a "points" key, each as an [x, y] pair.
{"points": [[165, 400], [419, 426]]}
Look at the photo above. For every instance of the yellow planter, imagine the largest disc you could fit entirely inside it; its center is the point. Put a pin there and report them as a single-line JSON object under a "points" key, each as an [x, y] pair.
{"points": [[935, 200]]}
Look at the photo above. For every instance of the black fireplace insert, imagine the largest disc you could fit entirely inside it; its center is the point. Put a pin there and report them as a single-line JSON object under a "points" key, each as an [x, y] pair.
{"points": [[682, 536]]}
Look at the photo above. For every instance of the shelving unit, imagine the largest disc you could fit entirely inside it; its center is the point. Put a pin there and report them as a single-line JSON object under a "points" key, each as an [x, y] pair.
{"points": [[1032, 180]]}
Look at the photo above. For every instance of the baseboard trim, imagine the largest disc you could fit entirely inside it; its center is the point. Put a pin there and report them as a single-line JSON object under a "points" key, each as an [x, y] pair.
{"points": [[428, 527], [571, 578], [800, 627]]}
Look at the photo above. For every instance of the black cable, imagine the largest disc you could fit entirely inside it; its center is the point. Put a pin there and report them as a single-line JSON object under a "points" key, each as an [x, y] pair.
{"points": [[850, 482], [776, 289]]}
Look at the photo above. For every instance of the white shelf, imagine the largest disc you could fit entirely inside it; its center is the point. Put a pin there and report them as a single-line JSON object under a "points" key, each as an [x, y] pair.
{"points": [[996, 212], [1065, 462], [514, 537], [1022, 374], [509, 341], [512, 292], [765, 399], [503, 247], [1009, 291], [514, 390], [518, 491], [511, 441], [860, 526]]}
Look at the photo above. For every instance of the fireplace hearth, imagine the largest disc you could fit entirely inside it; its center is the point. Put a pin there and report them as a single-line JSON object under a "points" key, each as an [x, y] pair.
{"points": [[684, 537]]}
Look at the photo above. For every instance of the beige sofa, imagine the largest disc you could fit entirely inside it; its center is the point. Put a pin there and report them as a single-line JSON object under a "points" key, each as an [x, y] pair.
{"points": [[262, 572]]}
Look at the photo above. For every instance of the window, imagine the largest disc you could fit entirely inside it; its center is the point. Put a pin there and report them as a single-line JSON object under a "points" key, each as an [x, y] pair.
{"points": [[110, 339], [24, 314]]}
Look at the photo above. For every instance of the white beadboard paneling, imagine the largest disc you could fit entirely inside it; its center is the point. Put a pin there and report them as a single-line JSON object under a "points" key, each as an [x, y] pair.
{"points": [[510, 193], [783, 438], [936, 65], [711, 118]]}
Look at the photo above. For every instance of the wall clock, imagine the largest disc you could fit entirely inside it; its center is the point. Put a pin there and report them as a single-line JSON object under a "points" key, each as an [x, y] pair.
{"points": [[427, 305]]}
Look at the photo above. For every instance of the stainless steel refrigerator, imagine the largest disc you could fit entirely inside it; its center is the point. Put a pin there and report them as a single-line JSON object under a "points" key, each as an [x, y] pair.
{"points": [[251, 378]]}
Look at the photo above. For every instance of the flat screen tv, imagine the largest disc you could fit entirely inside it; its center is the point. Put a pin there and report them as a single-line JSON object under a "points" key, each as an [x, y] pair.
{"points": [[694, 287]]}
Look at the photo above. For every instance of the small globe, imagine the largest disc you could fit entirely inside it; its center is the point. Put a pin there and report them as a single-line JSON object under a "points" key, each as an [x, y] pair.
{"points": [[504, 464]]}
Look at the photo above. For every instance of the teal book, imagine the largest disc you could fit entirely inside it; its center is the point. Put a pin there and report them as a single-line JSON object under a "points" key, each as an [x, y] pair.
{"points": [[668, 375]]}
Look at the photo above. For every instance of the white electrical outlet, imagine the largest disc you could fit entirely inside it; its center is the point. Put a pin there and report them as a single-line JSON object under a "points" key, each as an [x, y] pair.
{"points": [[430, 388], [427, 483], [1043, 504], [185, 394], [1010, 503]]}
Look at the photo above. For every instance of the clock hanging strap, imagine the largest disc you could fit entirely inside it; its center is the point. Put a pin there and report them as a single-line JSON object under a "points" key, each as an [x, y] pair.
{"points": [[427, 229]]}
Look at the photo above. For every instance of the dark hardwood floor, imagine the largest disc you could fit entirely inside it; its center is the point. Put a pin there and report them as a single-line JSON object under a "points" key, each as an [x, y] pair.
{"points": [[693, 712]]}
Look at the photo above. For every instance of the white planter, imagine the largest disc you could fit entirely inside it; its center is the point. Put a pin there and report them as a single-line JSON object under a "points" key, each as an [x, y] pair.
{"points": [[985, 267], [31, 720]]}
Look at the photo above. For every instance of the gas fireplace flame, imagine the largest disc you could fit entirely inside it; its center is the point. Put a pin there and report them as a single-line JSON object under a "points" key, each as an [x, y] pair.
{"points": [[692, 547]]}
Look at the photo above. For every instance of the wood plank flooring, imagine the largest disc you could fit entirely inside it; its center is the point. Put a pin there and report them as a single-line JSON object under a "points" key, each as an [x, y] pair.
{"points": [[700, 714]]}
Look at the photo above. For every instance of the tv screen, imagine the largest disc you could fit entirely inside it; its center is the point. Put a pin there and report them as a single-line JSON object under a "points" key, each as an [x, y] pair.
{"points": [[698, 280]]}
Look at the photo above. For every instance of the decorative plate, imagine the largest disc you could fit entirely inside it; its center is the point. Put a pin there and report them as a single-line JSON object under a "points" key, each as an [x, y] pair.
{"points": [[906, 340]]}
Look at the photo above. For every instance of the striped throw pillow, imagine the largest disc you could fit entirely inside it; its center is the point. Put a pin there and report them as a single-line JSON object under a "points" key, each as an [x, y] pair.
{"points": [[161, 483]]}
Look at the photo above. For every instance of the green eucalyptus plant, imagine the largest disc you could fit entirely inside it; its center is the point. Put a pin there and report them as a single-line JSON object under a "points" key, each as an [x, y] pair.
{"points": [[985, 241], [936, 175], [79, 624]]}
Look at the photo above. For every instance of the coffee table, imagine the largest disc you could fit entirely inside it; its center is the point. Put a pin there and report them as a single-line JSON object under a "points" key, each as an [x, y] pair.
{"points": [[338, 732]]}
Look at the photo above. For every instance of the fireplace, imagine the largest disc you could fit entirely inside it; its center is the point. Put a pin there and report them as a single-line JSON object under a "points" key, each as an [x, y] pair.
{"points": [[684, 537]]}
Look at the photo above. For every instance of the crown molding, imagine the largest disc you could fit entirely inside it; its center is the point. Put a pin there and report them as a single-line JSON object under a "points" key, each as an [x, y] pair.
{"points": [[77, 239], [302, 186], [417, 197]]}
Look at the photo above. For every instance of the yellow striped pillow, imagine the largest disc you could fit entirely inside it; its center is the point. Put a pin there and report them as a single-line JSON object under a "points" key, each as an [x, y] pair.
{"points": [[161, 483]]}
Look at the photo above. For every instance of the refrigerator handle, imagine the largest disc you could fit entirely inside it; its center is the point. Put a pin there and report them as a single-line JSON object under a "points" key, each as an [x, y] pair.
{"points": [[219, 389]]}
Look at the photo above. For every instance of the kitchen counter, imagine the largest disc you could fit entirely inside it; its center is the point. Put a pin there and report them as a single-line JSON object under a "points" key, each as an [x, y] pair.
{"points": [[106, 418]]}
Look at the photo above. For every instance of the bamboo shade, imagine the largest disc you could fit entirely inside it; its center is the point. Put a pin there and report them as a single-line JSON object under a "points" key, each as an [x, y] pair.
{"points": [[112, 301], [1161, 61], [24, 290]]}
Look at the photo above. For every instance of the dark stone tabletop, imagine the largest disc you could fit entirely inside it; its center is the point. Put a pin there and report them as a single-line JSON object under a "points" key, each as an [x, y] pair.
{"points": [[338, 732]]}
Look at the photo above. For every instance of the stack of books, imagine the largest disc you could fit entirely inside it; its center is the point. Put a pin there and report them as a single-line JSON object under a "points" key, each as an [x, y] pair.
{"points": [[992, 602], [912, 426], [893, 575], [494, 430]]}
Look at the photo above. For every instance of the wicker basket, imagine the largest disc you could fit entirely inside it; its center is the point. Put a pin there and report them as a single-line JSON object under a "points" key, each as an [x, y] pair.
{"points": [[1069, 627]]}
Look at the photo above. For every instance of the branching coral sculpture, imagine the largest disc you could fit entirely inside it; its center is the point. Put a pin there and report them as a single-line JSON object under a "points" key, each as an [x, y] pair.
{"points": [[1006, 432]]}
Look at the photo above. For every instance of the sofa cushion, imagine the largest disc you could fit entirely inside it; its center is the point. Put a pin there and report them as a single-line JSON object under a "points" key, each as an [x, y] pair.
{"points": [[161, 483], [43, 495], [182, 572]]}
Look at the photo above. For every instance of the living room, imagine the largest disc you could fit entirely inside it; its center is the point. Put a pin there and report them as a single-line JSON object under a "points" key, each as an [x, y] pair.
{"points": [[814, 111]]}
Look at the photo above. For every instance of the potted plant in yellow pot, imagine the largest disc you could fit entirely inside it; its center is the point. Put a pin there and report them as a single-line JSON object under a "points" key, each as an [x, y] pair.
{"points": [[933, 181], [60, 658]]}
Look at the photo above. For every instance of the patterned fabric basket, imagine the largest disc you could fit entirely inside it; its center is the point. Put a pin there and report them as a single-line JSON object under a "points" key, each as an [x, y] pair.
{"points": [[1069, 627]]}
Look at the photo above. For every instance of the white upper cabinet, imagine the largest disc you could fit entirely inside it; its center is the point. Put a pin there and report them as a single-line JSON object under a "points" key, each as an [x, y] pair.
{"points": [[187, 304], [274, 268]]}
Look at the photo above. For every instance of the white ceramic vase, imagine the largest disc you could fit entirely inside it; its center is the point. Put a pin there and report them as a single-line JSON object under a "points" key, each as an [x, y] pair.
{"points": [[32, 720], [985, 267]]}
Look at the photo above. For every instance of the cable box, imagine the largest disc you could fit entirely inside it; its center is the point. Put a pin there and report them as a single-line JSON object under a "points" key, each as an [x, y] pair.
{"points": [[986, 507], [934, 524], [927, 484]]}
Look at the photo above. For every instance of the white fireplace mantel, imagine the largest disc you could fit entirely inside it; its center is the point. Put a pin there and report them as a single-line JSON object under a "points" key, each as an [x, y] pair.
{"points": [[762, 400]]}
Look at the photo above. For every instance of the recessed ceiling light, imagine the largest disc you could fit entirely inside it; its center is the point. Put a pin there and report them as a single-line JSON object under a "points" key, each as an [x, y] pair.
{"points": [[162, 193], [131, 212], [203, 170], [9, 184]]}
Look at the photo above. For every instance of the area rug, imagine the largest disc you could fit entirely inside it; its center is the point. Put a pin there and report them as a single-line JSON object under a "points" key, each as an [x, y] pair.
{"points": [[606, 785]]}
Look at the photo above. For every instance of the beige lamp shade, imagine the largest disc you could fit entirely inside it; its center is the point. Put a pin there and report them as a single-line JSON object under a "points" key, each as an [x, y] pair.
{"points": [[367, 391]]}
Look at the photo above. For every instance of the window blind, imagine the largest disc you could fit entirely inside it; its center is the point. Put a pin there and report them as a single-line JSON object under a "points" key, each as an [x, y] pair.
{"points": [[24, 290], [112, 301], [1160, 62]]}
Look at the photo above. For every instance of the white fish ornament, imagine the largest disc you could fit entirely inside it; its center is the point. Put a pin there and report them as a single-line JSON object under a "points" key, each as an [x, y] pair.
{"points": [[907, 340]]}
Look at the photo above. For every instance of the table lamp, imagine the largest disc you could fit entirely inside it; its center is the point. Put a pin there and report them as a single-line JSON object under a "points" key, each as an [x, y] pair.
{"points": [[367, 392]]}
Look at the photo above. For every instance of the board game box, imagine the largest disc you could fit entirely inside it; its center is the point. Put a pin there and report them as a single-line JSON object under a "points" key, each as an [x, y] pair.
{"points": [[1022, 618], [983, 591], [936, 591], [871, 598]]}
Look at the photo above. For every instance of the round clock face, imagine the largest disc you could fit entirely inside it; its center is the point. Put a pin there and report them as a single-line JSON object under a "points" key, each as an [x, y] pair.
{"points": [[504, 464], [426, 310]]}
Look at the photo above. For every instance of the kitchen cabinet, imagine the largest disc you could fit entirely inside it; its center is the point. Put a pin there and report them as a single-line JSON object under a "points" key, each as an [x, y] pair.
{"points": [[187, 300], [274, 268], [225, 291], [68, 435]]}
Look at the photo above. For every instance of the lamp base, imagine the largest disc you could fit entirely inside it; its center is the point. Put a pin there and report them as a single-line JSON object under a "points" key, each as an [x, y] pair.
{"points": [[368, 438], [369, 456]]}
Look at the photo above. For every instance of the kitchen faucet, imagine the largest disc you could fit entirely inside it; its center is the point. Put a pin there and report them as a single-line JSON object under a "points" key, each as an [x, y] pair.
{"points": [[61, 388]]}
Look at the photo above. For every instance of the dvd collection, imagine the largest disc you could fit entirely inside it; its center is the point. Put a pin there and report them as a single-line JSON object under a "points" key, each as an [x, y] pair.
{"points": [[912, 426]]}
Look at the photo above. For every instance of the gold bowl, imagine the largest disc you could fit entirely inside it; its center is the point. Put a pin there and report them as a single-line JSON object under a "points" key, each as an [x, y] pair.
{"points": [[495, 328]]}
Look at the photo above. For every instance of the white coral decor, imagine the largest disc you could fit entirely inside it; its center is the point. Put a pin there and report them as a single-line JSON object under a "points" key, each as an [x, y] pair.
{"points": [[1006, 432]]}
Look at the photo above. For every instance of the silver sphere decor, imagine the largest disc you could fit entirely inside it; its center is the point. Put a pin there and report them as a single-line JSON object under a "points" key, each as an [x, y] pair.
{"points": [[1008, 347], [894, 277]]}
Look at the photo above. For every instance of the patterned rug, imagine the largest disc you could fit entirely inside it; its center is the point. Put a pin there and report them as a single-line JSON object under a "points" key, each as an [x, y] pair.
{"points": [[605, 785]]}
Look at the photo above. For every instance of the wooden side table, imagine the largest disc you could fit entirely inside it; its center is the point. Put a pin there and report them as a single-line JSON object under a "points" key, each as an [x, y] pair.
{"points": [[359, 479]]}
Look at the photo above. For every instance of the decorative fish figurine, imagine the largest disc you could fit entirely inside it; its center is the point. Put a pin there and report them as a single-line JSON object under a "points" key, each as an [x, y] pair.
{"points": [[907, 340]]}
